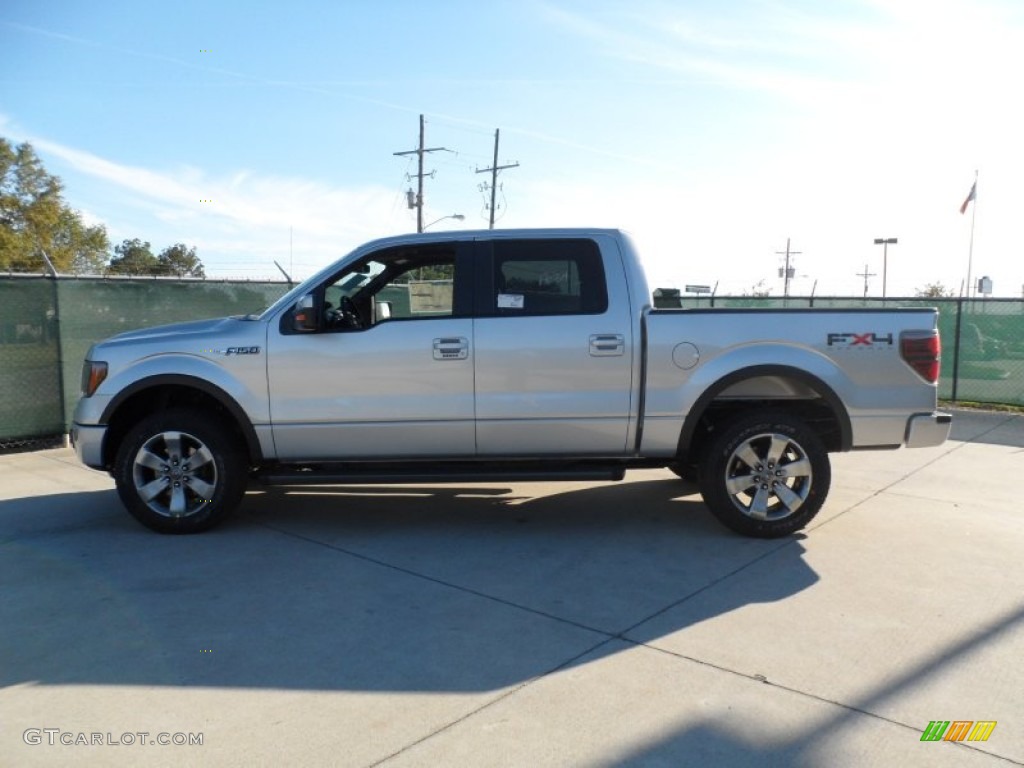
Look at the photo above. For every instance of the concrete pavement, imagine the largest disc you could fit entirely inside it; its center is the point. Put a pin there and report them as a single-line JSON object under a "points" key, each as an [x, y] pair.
{"points": [[527, 624]]}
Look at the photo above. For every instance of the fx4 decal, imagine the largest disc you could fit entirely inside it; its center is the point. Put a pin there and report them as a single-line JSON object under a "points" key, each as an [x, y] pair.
{"points": [[858, 339]]}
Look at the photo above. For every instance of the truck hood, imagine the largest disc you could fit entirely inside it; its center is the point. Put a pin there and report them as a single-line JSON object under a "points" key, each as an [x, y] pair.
{"points": [[177, 335]]}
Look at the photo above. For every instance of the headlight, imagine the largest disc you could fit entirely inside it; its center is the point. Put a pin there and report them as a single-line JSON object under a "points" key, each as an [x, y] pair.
{"points": [[93, 374]]}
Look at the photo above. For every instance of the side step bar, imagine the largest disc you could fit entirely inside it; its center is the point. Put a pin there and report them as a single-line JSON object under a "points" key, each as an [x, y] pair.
{"points": [[359, 473]]}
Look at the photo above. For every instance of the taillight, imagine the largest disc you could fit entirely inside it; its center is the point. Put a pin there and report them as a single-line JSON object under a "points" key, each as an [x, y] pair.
{"points": [[922, 351]]}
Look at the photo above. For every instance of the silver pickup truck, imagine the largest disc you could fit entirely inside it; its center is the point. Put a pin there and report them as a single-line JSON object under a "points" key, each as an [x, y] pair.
{"points": [[500, 356]]}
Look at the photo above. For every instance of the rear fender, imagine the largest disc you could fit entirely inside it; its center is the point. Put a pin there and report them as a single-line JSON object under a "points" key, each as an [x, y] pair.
{"points": [[768, 382]]}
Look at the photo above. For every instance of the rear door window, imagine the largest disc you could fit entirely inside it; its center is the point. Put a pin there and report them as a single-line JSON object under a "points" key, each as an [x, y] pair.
{"points": [[546, 277]]}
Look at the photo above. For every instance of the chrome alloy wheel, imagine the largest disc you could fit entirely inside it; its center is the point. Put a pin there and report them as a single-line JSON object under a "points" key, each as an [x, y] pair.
{"points": [[174, 474], [768, 476]]}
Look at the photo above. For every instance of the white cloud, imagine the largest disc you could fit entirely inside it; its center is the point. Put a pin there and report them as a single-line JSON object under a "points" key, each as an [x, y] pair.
{"points": [[240, 222], [888, 111]]}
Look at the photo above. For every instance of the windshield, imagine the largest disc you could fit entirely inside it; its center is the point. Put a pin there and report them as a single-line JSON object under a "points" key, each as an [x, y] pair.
{"points": [[350, 283]]}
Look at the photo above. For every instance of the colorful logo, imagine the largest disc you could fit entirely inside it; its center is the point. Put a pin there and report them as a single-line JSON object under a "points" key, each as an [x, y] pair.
{"points": [[958, 730]]}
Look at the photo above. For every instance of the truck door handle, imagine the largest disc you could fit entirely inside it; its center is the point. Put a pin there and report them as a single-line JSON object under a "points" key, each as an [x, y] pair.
{"points": [[607, 345], [451, 348]]}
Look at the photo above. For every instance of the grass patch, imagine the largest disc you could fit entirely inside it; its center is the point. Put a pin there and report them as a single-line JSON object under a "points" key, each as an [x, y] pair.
{"points": [[970, 405]]}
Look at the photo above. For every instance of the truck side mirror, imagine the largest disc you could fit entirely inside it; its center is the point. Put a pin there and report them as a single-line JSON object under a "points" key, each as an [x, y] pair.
{"points": [[304, 314], [383, 310]]}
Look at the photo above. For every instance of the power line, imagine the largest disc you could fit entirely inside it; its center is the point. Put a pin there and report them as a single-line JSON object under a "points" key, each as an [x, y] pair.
{"points": [[420, 151], [493, 170]]}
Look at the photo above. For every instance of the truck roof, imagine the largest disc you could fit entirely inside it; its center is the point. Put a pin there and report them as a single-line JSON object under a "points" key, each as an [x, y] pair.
{"points": [[488, 234]]}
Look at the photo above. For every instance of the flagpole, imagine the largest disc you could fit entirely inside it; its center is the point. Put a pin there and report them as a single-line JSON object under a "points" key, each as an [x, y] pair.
{"points": [[972, 197], [970, 247]]}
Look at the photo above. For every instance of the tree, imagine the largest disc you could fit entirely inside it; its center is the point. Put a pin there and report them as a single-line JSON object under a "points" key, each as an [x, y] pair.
{"points": [[934, 290], [34, 219], [88, 246], [134, 257], [758, 290], [180, 260]]}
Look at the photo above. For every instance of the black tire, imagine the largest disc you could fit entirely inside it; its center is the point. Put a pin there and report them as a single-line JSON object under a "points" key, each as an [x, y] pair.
{"points": [[180, 471], [688, 472], [765, 474]]}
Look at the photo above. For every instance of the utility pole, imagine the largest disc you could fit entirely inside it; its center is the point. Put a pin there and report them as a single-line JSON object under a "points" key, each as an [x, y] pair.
{"points": [[493, 170], [788, 272], [865, 274], [420, 152], [885, 242]]}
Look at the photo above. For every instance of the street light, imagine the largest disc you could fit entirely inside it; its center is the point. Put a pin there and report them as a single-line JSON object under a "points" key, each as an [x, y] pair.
{"points": [[885, 242], [456, 216]]}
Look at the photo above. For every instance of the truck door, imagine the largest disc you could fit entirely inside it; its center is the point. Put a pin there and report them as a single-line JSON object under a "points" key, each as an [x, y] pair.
{"points": [[388, 371], [554, 349]]}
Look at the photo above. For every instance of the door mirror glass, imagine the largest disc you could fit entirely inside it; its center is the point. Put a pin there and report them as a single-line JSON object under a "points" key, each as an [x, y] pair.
{"points": [[304, 314]]}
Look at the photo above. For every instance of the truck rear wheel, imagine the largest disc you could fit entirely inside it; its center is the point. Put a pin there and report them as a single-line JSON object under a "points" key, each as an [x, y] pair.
{"points": [[180, 471], [765, 474]]}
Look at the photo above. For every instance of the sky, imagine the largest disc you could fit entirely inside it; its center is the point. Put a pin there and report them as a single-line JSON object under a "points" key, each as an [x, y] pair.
{"points": [[713, 131]]}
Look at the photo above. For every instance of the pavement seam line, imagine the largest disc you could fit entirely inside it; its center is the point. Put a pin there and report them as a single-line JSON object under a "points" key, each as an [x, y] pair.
{"points": [[992, 429], [807, 694], [609, 636], [944, 454], [441, 582], [716, 582], [488, 704], [895, 482], [74, 462], [922, 497], [621, 635]]}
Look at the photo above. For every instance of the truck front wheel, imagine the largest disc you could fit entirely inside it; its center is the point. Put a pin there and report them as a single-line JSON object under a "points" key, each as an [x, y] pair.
{"points": [[180, 471], [765, 474], [688, 472]]}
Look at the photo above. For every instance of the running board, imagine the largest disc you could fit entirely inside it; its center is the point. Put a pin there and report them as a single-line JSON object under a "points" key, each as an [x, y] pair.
{"points": [[461, 472]]}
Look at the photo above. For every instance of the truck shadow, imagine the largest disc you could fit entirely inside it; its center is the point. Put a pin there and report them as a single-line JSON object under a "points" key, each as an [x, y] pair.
{"points": [[469, 588], [992, 427]]}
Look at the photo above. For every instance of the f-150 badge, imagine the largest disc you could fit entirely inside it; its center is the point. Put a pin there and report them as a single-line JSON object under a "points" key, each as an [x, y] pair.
{"points": [[233, 351]]}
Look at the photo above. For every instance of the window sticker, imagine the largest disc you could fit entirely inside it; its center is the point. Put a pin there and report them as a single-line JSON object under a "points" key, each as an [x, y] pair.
{"points": [[510, 301], [431, 297]]}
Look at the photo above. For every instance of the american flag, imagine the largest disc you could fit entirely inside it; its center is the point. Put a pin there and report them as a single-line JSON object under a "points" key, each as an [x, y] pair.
{"points": [[970, 196]]}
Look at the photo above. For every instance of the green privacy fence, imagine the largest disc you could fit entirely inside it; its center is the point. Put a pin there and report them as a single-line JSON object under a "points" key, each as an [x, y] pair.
{"points": [[31, 393], [47, 325]]}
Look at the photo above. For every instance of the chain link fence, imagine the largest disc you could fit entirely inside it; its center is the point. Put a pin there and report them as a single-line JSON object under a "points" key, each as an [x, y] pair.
{"points": [[30, 383], [47, 325]]}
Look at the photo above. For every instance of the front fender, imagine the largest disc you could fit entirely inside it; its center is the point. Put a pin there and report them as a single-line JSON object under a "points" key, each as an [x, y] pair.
{"points": [[244, 385]]}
